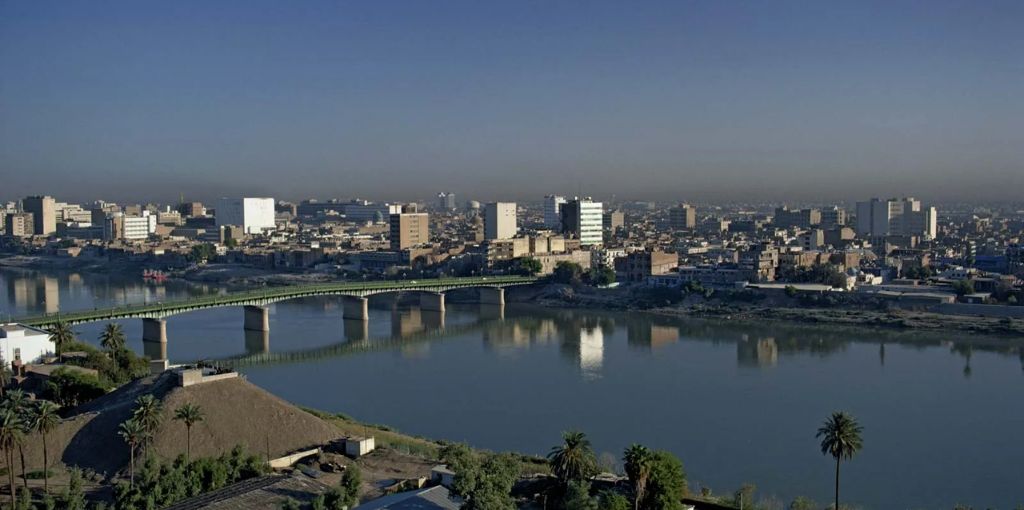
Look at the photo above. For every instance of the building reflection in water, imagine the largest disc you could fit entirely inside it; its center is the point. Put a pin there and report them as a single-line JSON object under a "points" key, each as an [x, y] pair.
{"points": [[646, 335], [405, 321], [356, 330], [591, 352], [758, 352]]}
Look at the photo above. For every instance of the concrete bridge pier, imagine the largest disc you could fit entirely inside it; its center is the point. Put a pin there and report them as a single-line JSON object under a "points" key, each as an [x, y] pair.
{"points": [[257, 318], [492, 296], [432, 301], [154, 338], [355, 308], [257, 342]]}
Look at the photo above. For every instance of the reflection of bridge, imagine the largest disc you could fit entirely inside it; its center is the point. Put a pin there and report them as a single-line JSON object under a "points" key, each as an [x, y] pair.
{"points": [[357, 340], [257, 317]]}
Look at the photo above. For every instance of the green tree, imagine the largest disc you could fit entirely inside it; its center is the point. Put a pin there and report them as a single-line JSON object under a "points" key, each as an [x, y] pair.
{"points": [[69, 387], [43, 421], [840, 436], [10, 434], [601, 276], [148, 413], [73, 497], [201, 253], [529, 266], [567, 272], [134, 433], [351, 484], [17, 401], [574, 459], [637, 462], [666, 484], [112, 339], [189, 414], [494, 485], [577, 496], [61, 335], [609, 500], [461, 459], [744, 497]]}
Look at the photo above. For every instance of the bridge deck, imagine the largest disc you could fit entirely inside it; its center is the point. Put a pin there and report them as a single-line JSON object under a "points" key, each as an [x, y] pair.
{"points": [[271, 295]]}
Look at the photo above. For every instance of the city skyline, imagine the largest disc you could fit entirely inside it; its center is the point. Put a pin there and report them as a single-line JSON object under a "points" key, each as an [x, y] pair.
{"points": [[708, 101]]}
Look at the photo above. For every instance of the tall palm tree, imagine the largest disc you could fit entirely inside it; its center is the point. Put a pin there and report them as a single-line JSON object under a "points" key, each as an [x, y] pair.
{"points": [[840, 438], [10, 432], [17, 401], [189, 414], [574, 459], [637, 461], [112, 338], [148, 413], [43, 420], [61, 335], [133, 433]]}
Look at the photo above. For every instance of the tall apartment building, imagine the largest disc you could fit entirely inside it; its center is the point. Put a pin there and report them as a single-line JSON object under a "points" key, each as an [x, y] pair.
{"points": [[584, 219], [553, 211], [500, 220], [254, 215], [894, 217], [44, 214], [802, 218], [191, 209], [682, 217], [446, 201], [18, 225], [833, 218], [409, 229]]}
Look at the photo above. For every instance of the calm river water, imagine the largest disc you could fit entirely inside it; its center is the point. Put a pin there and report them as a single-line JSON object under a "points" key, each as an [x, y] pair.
{"points": [[738, 403]]}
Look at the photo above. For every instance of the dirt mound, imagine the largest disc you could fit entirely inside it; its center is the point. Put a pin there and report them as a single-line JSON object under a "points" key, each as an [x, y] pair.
{"points": [[236, 412]]}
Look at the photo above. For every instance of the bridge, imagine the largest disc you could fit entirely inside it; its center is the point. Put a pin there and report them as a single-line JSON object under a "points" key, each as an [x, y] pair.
{"points": [[254, 303]]}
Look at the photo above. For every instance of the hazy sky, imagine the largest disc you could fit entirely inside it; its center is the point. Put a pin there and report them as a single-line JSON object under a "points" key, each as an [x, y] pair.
{"points": [[400, 100]]}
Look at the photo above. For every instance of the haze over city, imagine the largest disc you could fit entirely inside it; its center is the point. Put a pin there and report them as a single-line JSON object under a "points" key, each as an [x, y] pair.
{"points": [[396, 100]]}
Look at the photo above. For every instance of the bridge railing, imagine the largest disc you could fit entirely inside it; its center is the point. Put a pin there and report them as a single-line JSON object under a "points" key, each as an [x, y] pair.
{"points": [[273, 293]]}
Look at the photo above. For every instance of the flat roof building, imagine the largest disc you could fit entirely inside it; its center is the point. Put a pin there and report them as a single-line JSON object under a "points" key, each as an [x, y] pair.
{"points": [[500, 220]]}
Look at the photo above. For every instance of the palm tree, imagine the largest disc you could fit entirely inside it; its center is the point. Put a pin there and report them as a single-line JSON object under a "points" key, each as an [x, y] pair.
{"points": [[574, 459], [61, 335], [10, 432], [17, 401], [133, 433], [189, 414], [43, 420], [112, 338], [148, 414], [637, 461], [840, 438]]}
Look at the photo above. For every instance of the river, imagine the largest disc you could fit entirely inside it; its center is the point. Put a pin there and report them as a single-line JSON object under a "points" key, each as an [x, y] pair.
{"points": [[738, 403]]}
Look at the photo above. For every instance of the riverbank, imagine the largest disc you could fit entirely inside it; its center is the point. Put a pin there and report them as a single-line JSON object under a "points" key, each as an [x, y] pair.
{"points": [[790, 310]]}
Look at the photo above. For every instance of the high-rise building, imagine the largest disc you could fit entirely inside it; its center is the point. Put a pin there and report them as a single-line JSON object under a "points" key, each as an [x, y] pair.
{"points": [[120, 226], [254, 215], [44, 214], [191, 209], [833, 218], [409, 229], [682, 217], [446, 201], [553, 211], [18, 225], [584, 219], [613, 221], [500, 220], [802, 218], [903, 216]]}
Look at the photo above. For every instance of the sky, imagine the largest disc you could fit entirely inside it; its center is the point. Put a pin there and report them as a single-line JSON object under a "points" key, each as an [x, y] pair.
{"points": [[399, 100]]}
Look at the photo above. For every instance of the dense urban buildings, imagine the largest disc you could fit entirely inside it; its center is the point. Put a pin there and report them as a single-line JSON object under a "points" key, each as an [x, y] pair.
{"points": [[409, 229], [583, 219], [44, 214], [682, 217]]}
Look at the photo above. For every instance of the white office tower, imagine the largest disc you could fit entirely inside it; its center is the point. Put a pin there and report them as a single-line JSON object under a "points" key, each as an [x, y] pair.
{"points": [[584, 219], [254, 215], [500, 220], [904, 216], [553, 212]]}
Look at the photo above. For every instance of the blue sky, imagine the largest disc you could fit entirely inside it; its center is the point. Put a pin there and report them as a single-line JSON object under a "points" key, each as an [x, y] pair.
{"points": [[398, 100]]}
